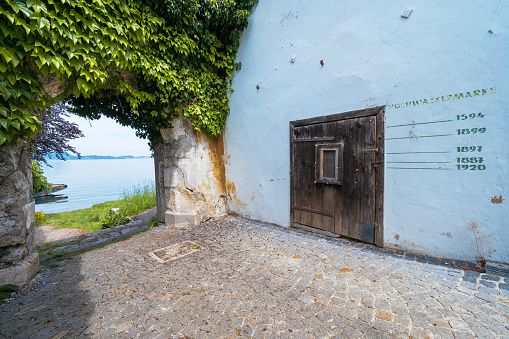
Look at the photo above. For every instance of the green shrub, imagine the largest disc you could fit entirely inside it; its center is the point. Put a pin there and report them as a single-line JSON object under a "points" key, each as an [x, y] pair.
{"points": [[40, 182], [153, 222], [113, 219]]}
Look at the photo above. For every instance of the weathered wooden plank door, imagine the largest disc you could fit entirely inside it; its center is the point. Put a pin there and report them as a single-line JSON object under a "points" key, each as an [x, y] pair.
{"points": [[337, 174]]}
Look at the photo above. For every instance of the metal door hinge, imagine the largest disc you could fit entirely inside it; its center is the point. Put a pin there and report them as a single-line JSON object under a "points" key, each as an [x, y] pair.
{"points": [[369, 150]]}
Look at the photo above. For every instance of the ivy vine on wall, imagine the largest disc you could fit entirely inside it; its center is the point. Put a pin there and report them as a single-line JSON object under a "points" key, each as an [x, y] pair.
{"points": [[139, 62]]}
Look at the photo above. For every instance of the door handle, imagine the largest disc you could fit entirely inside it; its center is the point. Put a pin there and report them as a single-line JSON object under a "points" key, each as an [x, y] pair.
{"points": [[376, 164]]}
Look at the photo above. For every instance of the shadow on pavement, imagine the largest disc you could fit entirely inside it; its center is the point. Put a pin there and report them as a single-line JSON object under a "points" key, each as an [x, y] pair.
{"points": [[55, 304]]}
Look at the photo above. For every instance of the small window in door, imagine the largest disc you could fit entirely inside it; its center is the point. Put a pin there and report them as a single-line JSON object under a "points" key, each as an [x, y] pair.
{"points": [[329, 160]]}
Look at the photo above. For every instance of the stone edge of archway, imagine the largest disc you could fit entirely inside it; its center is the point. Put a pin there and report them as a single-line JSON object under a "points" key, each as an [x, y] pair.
{"points": [[22, 273], [19, 260]]}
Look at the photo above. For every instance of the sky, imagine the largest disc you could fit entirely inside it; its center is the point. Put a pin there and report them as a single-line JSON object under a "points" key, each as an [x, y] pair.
{"points": [[106, 137]]}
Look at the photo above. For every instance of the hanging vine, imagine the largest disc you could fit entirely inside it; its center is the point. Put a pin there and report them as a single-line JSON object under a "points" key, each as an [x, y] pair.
{"points": [[139, 62]]}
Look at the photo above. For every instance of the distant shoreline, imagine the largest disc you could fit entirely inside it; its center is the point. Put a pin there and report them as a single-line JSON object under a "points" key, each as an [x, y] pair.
{"points": [[103, 157]]}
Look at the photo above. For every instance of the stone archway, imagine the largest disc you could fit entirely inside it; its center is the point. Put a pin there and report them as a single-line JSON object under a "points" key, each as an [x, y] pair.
{"points": [[19, 260], [190, 186], [190, 175]]}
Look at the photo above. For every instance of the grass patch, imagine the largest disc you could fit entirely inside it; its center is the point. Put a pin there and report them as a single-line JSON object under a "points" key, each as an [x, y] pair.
{"points": [[6, 291], [132, 202]]}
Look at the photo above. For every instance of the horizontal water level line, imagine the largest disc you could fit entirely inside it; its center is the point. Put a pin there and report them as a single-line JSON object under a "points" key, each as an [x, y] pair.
{"points": [[420, 152], [420, 123], [418, 162], [421, 168], [421, 136]]}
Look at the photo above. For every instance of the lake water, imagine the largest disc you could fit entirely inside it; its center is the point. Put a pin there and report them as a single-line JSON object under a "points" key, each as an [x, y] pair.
{"points": [[90, 182]]}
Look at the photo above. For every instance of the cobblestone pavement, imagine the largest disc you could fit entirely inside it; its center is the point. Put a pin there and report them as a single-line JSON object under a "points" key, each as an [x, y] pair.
{"points": [[254, 279]]}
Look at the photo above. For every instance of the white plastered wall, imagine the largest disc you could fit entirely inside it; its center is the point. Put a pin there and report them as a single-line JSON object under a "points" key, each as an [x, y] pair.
{"points": [[373, 56]]}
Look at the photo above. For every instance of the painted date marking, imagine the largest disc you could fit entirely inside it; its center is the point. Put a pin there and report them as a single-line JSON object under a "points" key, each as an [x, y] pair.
{"points": [[471, 130], [472, 160], [470, 163], [465, 149], [469, 116], [471, 167]]}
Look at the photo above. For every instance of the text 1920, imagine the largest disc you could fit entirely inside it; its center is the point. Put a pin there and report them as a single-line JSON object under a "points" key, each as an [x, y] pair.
{"points": [[471, 167]]}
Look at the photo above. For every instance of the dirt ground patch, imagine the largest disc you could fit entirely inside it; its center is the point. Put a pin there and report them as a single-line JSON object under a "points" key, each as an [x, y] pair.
{"points": [[45, 234]]}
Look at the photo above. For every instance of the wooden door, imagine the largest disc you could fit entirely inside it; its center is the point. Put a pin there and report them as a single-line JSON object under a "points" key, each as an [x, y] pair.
{"points": [[337, 174]]}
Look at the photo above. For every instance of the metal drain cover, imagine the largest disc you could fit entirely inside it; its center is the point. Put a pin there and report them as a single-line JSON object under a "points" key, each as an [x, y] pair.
{"points": [[174, 251]]}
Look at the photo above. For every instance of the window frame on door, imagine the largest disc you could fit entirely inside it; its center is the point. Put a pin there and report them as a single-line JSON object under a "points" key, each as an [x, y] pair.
{"points": [[338, 149]]}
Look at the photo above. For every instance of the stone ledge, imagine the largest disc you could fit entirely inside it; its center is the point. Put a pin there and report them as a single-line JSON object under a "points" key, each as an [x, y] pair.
{"points": [[86, 241], [22, 273], [179, 219], [96, 235]]}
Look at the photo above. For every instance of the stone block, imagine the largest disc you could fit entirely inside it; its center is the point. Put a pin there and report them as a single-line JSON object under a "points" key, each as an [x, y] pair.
{"points": [[12, 255], [29, 214], [181, 200], [12, 232], [22, 273], [18, 263], [181, 219], [17, 218]]}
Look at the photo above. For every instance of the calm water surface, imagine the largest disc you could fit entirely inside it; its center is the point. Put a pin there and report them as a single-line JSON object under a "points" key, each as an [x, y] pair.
{"points": [[90, 182]]}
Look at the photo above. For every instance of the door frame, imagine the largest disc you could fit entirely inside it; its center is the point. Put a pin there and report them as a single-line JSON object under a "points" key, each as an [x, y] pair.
{"points": [[379, 113]]}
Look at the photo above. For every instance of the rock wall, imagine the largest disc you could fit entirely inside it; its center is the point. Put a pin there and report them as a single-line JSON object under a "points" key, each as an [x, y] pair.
{"points": [[159, 182], [19, 262], [190, 176]]}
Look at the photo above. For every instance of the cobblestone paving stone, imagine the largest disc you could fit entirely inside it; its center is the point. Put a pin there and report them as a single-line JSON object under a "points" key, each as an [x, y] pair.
{"points": [[251, 279]]}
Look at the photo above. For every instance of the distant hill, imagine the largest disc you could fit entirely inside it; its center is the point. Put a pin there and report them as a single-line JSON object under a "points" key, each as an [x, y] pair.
{"points": [[100, 157]]}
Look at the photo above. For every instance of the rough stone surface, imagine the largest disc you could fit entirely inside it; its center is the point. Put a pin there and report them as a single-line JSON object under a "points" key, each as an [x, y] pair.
{"points": [[251, 279], [189, 175], [15, 194], [21, 273], [17, 220], [179, 219]]}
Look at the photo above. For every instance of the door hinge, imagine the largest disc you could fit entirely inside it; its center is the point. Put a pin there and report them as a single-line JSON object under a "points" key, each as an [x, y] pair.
{"points": [[369, 150]]}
